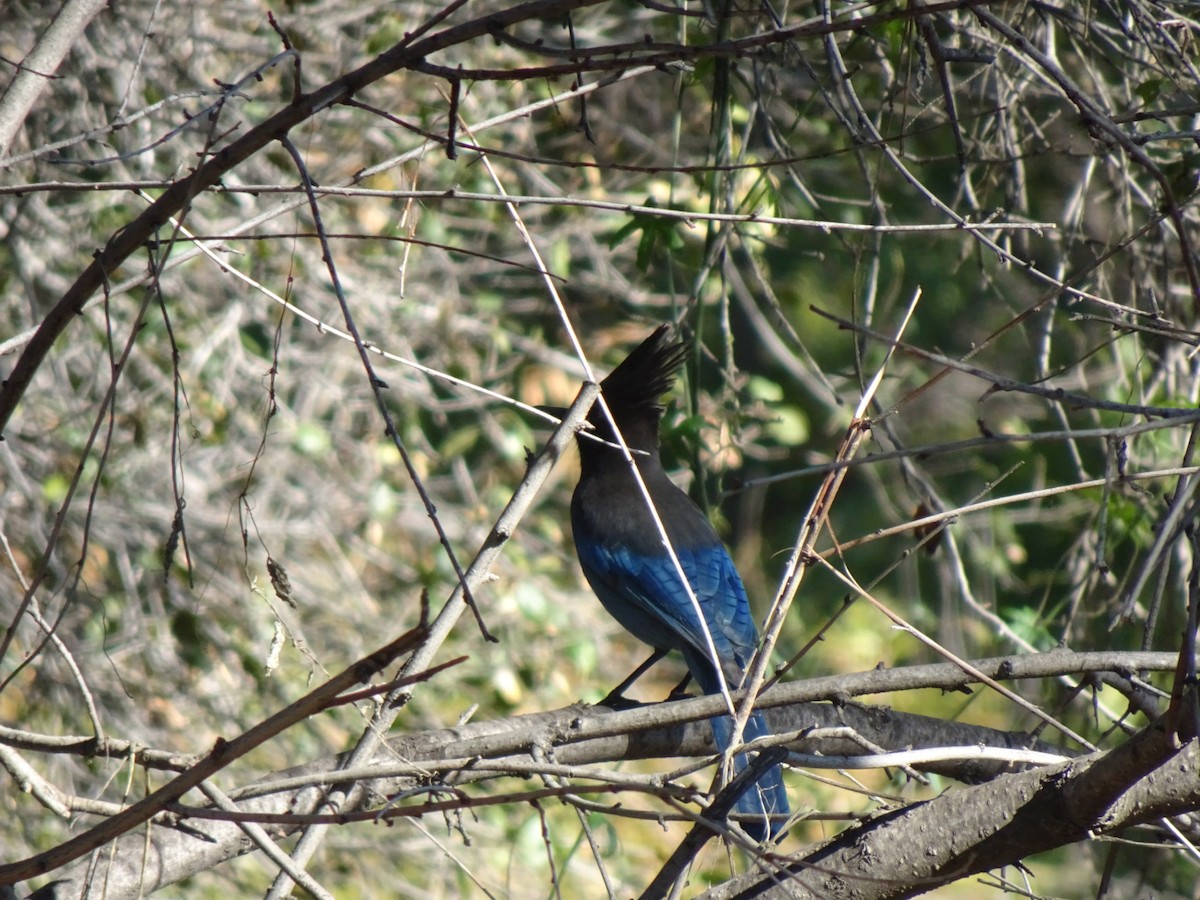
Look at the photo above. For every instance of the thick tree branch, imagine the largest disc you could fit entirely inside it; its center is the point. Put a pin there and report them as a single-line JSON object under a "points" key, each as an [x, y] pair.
{"points": [[582, 736], [906, 852]]}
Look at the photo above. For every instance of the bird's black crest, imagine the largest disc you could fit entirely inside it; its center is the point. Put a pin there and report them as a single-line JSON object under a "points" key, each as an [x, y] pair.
{"points": [[647, 373]]}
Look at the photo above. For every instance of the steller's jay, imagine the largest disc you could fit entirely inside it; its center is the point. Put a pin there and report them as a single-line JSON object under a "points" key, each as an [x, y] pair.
{"points": [[622, 554]]}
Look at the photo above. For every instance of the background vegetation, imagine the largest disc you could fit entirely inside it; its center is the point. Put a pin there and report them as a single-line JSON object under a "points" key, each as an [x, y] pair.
{"points": [[278, 292]]}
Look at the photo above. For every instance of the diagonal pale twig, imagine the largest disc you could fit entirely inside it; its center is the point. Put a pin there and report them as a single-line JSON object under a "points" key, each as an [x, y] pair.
{"points": [[814, 521], [35, 72], [552, 288], [455, 605], [954, 658], [223, 753], [262, 840]]}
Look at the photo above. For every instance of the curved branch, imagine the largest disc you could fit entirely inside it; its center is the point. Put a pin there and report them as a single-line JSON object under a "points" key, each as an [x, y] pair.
{"points": [[125, 242]]}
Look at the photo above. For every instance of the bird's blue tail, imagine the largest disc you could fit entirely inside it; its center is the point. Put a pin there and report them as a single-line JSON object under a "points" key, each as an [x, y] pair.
{"points": [[765, 801]]}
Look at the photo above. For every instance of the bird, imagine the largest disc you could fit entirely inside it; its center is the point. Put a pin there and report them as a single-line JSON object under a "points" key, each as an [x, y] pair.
{"points": [[624, 559]]}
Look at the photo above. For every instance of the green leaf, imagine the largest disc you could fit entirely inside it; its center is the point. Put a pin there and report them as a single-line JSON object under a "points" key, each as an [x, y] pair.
{"points": [[312, 440], [188, 631], [1027, 622], [256, 339], [657, 235], [1148, 91]]}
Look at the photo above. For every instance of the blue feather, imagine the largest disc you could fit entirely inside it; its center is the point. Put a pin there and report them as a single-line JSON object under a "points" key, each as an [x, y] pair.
{"points": [[624, 559]]}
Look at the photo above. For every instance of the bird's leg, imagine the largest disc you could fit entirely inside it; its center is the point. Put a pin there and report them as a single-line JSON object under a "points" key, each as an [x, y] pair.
{"points": [[677, 692], [616, 698]]}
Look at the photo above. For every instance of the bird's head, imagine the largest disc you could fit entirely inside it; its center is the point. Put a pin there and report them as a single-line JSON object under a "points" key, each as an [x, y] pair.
{"points": [[633, 392]]}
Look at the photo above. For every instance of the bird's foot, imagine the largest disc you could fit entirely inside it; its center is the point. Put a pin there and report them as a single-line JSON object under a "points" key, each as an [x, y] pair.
{"points": [[618, 701], [679, 692]]}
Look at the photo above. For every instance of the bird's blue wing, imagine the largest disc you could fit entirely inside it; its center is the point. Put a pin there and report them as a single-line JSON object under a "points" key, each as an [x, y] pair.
{"points": [[644, 593], [623, 558]]}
